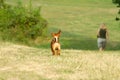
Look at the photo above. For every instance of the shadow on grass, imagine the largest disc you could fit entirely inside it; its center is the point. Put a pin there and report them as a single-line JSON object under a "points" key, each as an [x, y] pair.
{"points": [[88, 44], [80, 42], [113, 45]]}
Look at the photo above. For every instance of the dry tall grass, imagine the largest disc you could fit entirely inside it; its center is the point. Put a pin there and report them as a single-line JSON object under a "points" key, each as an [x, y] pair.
{"points": [[27, 63]]}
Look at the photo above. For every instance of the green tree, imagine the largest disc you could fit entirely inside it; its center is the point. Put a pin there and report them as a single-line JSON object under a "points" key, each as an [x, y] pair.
{"points": [[118, 5], [116, 2]]}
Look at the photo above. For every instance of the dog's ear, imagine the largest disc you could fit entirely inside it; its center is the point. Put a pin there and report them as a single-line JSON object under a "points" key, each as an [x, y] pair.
{"points": [[59, 32], [52, 34]]}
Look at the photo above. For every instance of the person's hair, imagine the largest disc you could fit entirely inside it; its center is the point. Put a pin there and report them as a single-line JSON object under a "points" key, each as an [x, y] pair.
{"points": [[103, 26]]}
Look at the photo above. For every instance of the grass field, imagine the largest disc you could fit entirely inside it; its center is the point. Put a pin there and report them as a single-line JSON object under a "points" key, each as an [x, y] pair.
{"points": [[80, 59], [79, 21], [25, 63]]}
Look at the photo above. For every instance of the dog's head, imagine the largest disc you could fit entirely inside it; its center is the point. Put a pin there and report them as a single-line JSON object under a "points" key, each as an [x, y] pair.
{"points": [[56, 36]]}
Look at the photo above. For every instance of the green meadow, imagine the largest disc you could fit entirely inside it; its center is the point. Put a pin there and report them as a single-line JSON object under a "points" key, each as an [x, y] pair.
{"points": [[80, 58], [79, 21]]}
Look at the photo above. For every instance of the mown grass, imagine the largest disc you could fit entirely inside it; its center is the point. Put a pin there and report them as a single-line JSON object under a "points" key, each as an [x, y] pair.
{"points": [[79, 21], [27, 63]]}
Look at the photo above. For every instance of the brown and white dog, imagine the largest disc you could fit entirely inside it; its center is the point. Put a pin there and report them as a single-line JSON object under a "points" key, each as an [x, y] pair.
{"points": [[55, 45]]}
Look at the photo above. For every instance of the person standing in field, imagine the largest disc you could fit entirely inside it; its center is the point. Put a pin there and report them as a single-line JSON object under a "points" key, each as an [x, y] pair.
{"points": [[102, 36]]}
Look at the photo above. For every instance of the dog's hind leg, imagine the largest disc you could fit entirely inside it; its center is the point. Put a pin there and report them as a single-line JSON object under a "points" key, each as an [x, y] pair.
{"points": [[53, 52], [58, 52]]}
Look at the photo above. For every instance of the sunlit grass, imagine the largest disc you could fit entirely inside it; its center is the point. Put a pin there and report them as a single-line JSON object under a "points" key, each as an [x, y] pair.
{"points": [[26, 63], [80, 58]]}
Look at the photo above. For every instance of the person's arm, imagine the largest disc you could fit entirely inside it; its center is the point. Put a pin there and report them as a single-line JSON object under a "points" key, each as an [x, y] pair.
{"points": [[107, 35], [98, 34]]}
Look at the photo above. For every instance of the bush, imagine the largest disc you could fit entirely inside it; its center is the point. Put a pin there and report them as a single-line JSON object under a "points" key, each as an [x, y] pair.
{"points": [[20, 23], [116, 2]]}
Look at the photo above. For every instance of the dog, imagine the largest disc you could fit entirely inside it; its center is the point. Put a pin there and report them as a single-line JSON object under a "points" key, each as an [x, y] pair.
{"points": [[55, 45]]}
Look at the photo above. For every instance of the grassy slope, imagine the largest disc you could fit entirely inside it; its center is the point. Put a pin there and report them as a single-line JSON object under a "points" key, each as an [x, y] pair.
{"points": [[79, 29], [79, 20]]}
